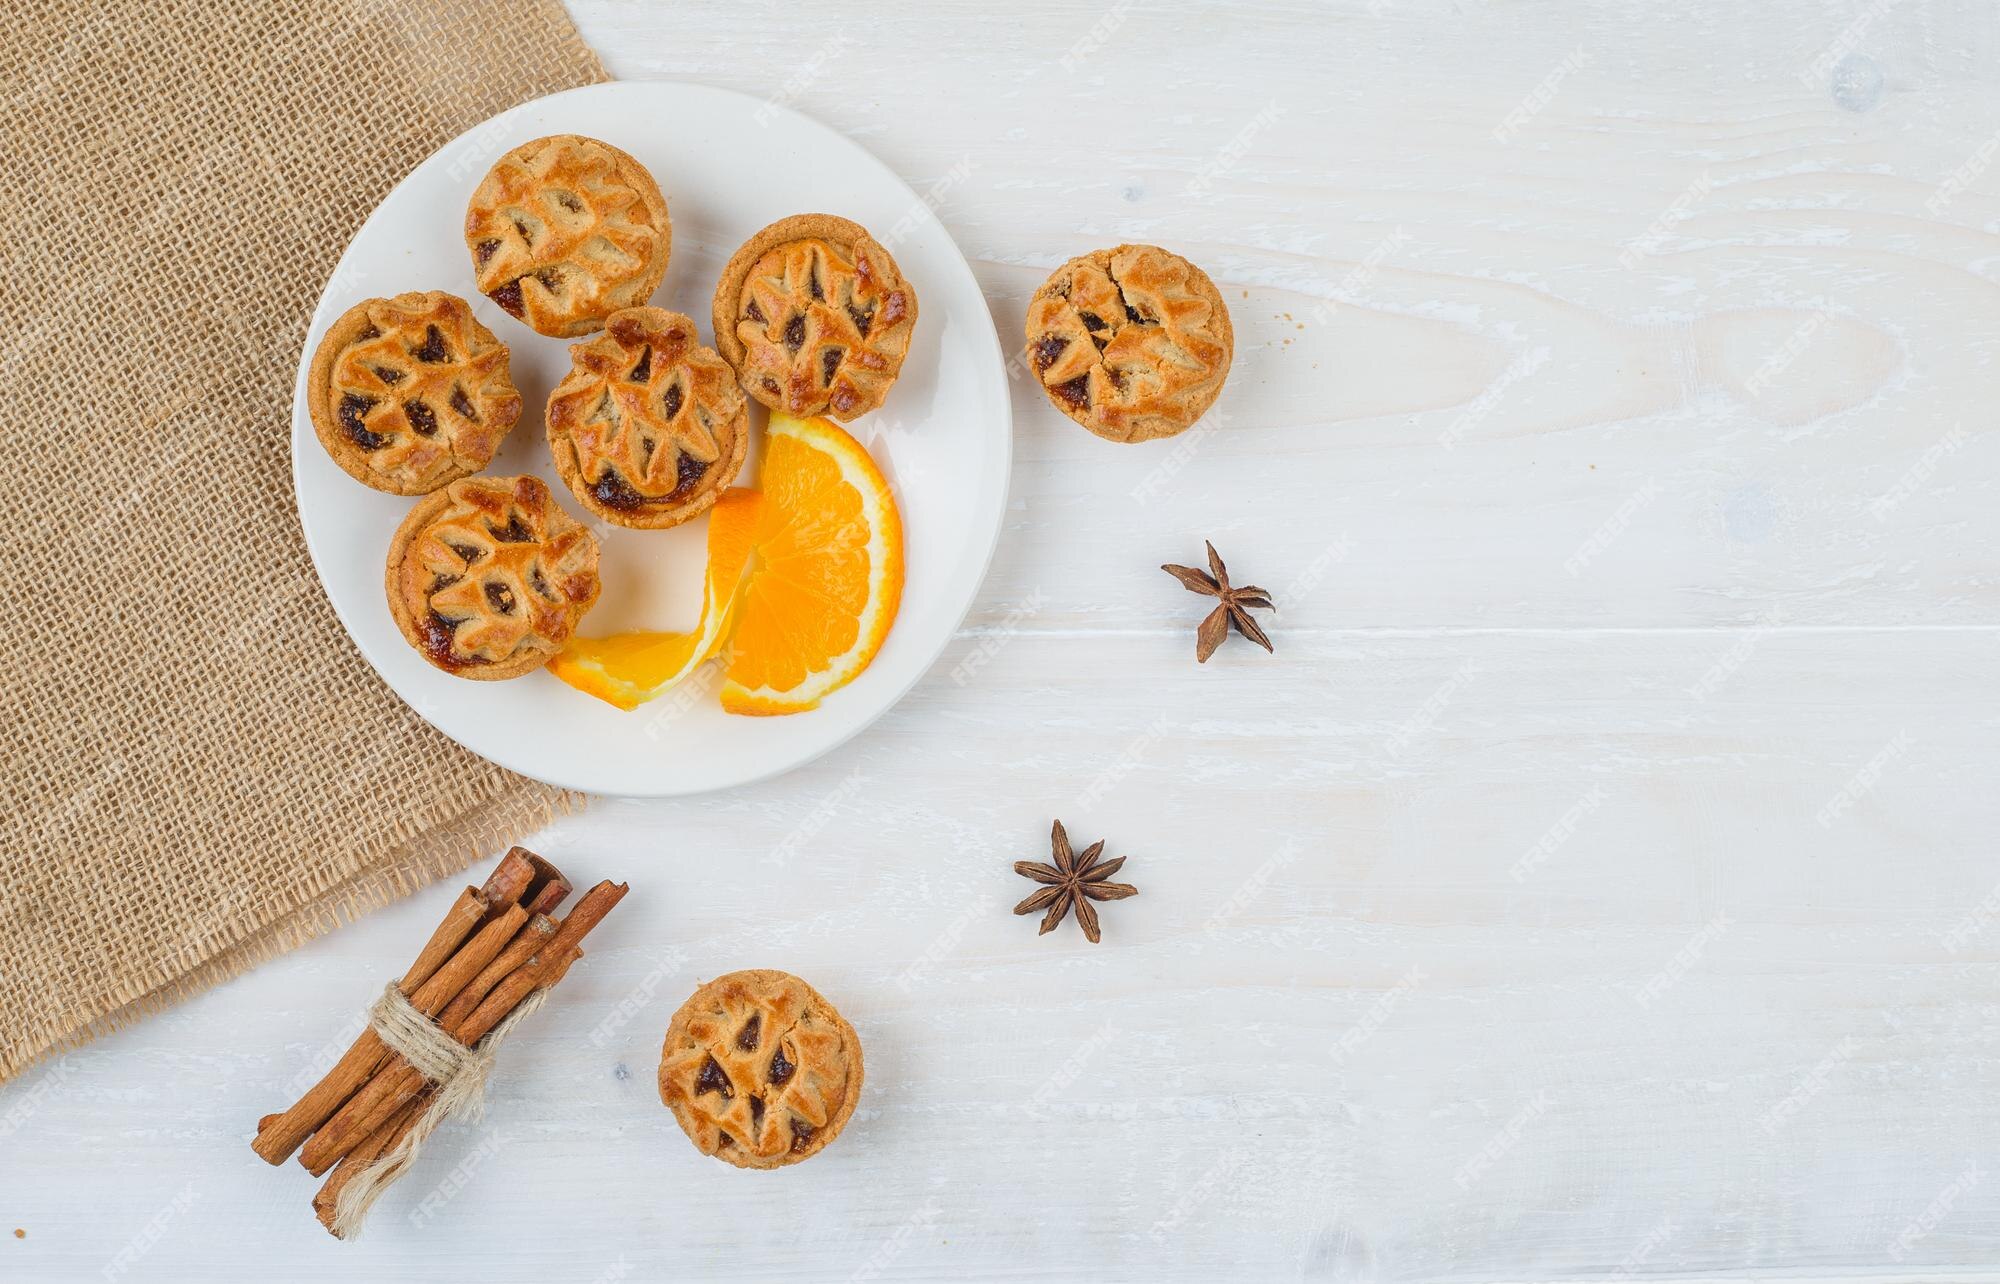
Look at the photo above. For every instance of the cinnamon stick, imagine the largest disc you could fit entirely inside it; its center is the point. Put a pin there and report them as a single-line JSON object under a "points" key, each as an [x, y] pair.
{"points": [[546, 895], [509, 881], [390, 1090], [546, 875], [279, 1135], [403, 1120], [327, 1201], [528, 942], [393, 1088], [329, 1143], [543, 897], [459, 922], [545, 969]]}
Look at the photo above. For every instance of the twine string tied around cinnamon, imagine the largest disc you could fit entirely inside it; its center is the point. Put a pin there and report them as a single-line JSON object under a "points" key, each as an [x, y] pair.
{"points": [[458, 1073]]}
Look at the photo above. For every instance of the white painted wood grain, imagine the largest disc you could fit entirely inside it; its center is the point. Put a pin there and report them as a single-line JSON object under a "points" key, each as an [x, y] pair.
{"points": [[1601, 876]]}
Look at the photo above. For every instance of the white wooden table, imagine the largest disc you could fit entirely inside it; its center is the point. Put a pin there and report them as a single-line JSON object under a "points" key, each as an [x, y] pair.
{"points": [[1600, 879]]}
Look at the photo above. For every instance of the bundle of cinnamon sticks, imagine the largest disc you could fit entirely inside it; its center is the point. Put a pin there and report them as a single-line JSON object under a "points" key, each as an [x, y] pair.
{"points": [[497, 945]]}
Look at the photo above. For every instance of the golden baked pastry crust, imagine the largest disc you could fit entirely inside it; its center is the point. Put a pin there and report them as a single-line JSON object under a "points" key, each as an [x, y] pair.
{"points": [[1133, 343], [566, 230], [488, 577], [648, 427], [760, 1070], [815, 316], [410, 393]]}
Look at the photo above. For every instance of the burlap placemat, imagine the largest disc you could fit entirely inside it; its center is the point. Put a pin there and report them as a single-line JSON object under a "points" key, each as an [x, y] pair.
{"points": [[201, 771]]}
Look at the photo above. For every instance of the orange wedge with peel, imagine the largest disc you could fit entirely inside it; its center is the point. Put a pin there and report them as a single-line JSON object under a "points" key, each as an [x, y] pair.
{"points": [[829, 572], [628, 669]]}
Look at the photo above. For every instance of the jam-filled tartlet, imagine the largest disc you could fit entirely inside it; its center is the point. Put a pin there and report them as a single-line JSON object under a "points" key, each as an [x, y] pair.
{"points": [[760, 1070], [566, 230], [1133, 343], [648, 427], [488, 577], [815, 316], [410, 393]]}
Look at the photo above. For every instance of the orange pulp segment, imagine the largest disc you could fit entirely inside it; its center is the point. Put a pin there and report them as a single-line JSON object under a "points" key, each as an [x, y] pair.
{"points": [[628, 669], [829, 573]]}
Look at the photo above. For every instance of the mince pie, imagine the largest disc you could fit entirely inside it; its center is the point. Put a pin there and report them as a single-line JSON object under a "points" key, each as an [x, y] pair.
{"points": [[410, 393], [1132, 343], [566, 230], [648, 427], [489, 576], [760, 1070], [815, 316]]}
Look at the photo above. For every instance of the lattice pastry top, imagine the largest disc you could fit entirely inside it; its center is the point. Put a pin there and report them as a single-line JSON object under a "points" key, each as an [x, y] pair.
{"points": [[566, 230], [815, 316], [488, 577], [760, 1070], [1133, 343], [648, 427], [410, 393]]}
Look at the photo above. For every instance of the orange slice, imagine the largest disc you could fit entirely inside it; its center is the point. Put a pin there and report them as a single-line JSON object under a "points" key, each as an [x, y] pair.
{"points": [[628, 669], [829, 572]]}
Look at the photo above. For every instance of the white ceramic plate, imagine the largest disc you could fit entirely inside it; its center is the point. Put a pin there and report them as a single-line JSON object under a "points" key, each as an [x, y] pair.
{"points": [[944, 438]]}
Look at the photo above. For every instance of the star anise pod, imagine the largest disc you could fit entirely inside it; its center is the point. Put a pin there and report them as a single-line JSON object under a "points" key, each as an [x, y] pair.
{"points": [[1075, 879], [1234, 607]]}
